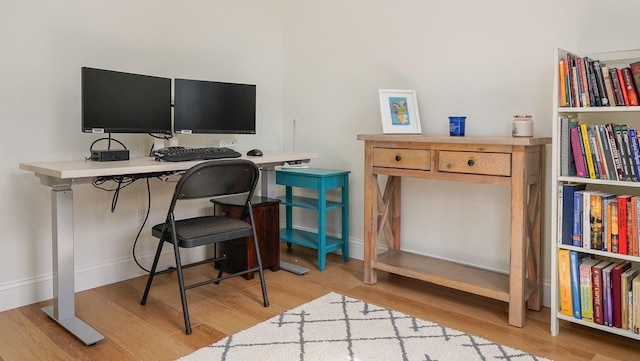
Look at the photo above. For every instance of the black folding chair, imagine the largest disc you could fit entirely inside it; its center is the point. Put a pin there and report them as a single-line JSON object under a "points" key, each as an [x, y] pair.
{"points": [[212, 179]]}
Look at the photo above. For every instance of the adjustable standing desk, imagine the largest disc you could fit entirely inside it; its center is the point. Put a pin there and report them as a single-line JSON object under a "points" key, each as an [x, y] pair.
{"points": [[61, 176]]}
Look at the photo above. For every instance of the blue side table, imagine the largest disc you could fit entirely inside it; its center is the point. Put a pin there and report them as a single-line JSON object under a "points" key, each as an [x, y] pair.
{"points": [[320, 180]]}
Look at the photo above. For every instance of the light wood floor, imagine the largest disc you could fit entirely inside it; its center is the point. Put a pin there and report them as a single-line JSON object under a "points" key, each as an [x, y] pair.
{"points": [[156, 331]]}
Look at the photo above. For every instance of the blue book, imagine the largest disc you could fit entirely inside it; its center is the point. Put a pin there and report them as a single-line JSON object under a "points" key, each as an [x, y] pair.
{"points": [[574, 263], [635, 150], [577, 219], [568, 207]]}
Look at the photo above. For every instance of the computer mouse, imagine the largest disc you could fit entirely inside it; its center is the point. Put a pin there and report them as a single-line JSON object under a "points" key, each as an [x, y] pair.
{"points": [[254, 153]]}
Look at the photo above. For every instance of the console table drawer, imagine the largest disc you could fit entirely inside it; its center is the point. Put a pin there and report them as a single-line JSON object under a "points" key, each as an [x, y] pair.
{"points": [[498, 164], [402, 158]]}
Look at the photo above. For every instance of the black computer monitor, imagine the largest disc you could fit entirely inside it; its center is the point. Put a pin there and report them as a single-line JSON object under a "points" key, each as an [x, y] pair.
{"points": [[118, 102], [211, 107]]}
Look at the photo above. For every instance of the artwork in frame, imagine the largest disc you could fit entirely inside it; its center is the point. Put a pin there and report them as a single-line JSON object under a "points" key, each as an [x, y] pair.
{"points": [[399, 109]]}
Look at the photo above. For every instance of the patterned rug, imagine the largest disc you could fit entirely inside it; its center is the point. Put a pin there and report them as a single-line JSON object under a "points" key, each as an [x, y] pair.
{"points": [[335, 327]]}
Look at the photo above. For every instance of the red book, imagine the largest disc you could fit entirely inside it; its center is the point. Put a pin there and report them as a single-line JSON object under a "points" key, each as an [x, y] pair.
{"points": [[598, 307], [632, 92], [581, 169], [623, 86], [623, 234], [616, 299]]}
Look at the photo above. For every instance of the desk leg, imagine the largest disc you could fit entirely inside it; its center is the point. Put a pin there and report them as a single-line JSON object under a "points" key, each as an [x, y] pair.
{"points": [[268, 182], [63, 309]]}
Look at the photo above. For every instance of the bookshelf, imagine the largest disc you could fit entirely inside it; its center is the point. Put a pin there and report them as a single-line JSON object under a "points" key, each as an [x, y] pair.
{"points": [[592, 115]]}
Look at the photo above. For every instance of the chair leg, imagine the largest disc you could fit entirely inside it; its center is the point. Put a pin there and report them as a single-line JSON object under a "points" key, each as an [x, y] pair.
{"points": [[152, 273], [224, 262], [183, 294], [263, 285]]}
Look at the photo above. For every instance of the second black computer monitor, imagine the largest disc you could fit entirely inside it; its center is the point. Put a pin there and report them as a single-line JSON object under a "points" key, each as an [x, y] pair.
{"points": [[209, 107]]}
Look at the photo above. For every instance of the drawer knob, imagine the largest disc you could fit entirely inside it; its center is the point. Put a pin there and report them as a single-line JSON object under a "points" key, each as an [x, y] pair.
{"points": [[398, 158], [471, 163]]}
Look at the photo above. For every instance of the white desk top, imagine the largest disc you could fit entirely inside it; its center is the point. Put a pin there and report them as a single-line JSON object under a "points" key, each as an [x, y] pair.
{"points": [[77, 169]]}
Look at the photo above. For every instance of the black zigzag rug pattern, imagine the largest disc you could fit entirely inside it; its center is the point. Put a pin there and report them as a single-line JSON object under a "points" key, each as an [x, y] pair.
{"points": [[336, 327]]}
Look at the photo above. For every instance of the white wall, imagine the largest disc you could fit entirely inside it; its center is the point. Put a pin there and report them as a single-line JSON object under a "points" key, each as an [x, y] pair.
{"points": [[319, 61], [44, 45], [487, 60]]}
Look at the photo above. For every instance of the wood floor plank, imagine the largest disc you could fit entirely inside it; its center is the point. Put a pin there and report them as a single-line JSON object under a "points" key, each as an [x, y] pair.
{"points": [[156, 331]]}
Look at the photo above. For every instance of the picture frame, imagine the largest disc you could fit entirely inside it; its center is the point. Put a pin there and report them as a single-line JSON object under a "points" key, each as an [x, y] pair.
{"points": [[399, 110]]}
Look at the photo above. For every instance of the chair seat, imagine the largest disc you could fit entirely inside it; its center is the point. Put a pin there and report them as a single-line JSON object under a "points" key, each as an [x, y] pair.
{"points": [[194, 232]]}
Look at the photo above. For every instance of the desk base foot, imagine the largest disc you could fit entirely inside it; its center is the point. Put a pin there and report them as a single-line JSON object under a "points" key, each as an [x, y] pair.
{"points": [[77, 327], [299, 270]]}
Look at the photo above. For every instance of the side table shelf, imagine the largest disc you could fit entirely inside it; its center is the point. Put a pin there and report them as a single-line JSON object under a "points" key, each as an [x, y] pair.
{"points": [[320, 180]]}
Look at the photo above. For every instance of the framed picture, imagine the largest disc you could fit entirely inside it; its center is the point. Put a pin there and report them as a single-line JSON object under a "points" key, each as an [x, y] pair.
{"points": [[399, 109]]}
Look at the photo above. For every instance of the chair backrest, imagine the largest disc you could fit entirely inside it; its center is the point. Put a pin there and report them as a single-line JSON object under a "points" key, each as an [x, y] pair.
{"points": [[223, 177]]}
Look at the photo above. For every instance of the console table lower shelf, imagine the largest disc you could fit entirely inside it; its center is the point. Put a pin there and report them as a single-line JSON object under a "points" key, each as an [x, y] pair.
{"points": [[470, 279]]}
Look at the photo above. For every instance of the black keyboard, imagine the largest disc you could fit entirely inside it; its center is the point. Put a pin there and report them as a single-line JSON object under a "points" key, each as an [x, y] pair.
{"points": [[183, 154]]}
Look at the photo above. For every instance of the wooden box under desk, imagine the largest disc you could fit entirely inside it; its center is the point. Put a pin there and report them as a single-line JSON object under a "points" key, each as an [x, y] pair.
{"points": [[514, 162], [266, 214]]}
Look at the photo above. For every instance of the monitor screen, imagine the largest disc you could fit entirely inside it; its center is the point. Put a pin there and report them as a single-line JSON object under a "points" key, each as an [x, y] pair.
{"points": [[117, 102], [214, 107]]}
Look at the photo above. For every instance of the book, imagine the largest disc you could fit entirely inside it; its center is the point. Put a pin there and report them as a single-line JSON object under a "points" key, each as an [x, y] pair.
{"points": [[632, 225], [615, 152], [567, 210], [563, 83], [604, 100], [565, 146], [581, 170], [607, 293], [593, 83], [617, 87], [635, 73], [574, 271], [635, 248], [596, 147], [595, 220], [598, 309], [635, 310], [576, 234], [588, 155], [623, 87], [586, 219], [607, 200], [564, 282], [633, 175], [630, 84], [608, 86], [626, 171], [612, 173], [635, 149], [615, 228], [583, 93], [626, 295], [616, 292], [623, 208], [611, 223], [586, 288]]}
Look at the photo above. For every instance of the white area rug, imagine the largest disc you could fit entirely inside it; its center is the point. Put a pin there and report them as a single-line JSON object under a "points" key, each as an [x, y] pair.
{"points": [[335, 327]]}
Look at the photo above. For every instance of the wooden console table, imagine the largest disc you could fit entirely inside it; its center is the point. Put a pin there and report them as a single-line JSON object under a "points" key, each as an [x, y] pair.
{"points": [[514, 162]]}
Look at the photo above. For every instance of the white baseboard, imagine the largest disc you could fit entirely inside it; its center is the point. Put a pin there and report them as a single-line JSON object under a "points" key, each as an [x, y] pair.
{"points": [[28, 291], [25, 292]]}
